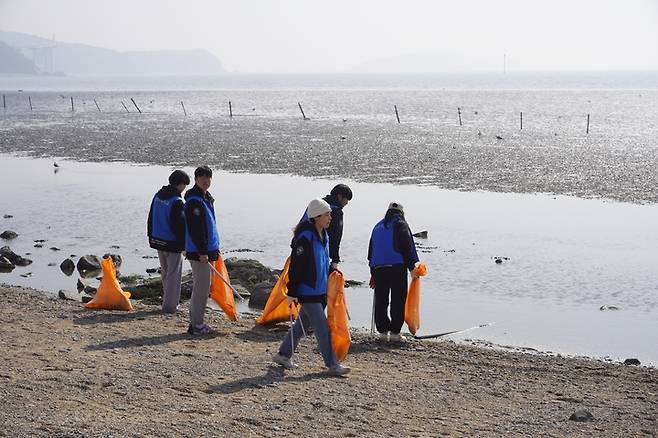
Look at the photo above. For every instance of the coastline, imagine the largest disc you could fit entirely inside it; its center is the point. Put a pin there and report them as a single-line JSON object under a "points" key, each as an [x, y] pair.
{"points": [[73, 371]]}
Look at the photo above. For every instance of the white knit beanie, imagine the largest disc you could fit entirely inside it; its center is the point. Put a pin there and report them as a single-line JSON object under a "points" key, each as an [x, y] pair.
{"points": [[317, 207]]}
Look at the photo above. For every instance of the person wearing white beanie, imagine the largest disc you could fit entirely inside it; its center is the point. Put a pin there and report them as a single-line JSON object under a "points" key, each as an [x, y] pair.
{"points": [[307, 286]]}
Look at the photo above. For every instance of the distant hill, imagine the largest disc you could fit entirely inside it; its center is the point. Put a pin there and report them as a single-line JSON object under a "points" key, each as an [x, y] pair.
{"points": [[81, 59], [12, 61]]}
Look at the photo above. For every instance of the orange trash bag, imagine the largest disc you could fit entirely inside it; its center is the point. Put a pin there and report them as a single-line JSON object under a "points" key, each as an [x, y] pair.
{"points": [[337, 316], [276, 309], [109, 294], [412, 305], [220, 292]]}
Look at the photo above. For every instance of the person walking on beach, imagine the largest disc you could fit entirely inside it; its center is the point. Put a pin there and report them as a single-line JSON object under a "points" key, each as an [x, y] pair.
{"points": [[337, 199], [307, 286], [391, 253], [201, 245], [166, 233]]}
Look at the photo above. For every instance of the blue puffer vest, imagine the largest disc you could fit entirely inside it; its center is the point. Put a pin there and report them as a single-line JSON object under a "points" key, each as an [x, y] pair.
{"points": [[320, 254], [160, 218], [383, 251]]}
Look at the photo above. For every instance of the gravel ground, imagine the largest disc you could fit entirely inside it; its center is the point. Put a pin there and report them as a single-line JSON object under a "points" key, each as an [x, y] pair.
{"points": [[68, 371]]}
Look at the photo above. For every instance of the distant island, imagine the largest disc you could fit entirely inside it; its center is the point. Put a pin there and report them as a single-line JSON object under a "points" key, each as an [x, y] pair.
{"points": [[22, 53]]}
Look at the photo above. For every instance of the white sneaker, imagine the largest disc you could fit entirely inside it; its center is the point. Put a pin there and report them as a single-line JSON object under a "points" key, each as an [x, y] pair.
{"points": [[383, 337], [396, 337], [285, 362], [339, 370]]}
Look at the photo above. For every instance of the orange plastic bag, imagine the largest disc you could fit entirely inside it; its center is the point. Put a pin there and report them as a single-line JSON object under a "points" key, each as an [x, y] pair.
{"points": [[221, 292], [337, 316], [412, 305], [109, 294], [276, 308]]}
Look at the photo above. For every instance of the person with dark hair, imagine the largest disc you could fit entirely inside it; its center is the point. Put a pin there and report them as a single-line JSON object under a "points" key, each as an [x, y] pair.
{"points": [[166, 233], [337, 199], [201, 245], [391, 253], [307, 286]]}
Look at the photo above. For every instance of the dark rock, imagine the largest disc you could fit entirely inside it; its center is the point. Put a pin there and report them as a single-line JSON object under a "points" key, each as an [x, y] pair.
{"points": [[420, 234], [5, 264], [13, 257], [54, 248], [631, 361], [7, 216], [249, 272], [38, 245], [8, 234], [39, 241], [499, 261], [115, 247], [52, 264], [67, 267], [68, 295], [152, 270], [80, 285], [350, 283], [86, 298], [26, 275], [88, 263], [606, 307], [582, 415], [260, 293], [116, 259]]}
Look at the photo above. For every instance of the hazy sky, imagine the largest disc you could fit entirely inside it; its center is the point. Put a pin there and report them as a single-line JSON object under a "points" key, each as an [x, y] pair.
{"points": [[342, 35]]}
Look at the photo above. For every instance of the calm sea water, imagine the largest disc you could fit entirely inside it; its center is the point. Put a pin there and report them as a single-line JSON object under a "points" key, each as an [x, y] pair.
{"points": [[568, 255]]}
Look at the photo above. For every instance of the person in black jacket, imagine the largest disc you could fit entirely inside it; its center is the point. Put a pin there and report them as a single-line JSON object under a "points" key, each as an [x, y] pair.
{"points": [[166, 233], [201, 245], [391, 253], [338, 199]]}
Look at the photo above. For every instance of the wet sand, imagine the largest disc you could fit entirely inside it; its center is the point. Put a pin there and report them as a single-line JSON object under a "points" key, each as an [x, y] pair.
{"points": [[68, 371]]}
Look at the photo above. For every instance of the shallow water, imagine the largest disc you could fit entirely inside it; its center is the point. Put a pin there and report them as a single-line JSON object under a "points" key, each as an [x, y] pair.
{"points": [[567, 256]]}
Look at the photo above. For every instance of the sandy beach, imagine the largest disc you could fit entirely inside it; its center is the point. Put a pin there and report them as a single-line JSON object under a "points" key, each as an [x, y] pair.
{"points": [[69, 371]]}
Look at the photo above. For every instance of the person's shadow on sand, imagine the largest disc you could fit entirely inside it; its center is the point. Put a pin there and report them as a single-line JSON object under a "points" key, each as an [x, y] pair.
{"points": [[109, 316], [149, 340], [273, 374]]}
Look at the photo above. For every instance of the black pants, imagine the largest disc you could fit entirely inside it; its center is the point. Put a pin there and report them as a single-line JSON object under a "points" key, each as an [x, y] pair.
{"points": [[390, 280]]}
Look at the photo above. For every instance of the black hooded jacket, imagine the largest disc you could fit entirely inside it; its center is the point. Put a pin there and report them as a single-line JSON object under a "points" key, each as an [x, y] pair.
{"points": [[335, 229]]}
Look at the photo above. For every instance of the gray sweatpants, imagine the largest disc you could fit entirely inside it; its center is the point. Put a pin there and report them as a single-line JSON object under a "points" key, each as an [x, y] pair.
{"points": [[200, 291], [310, 314], [171, 270]]}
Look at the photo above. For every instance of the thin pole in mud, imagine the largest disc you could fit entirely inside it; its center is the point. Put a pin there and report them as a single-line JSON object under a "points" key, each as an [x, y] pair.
{"points": [[302, 110], [183, 105], [397, 116], [4, 102], [230, 109], [29, 99], [134, 103], [521, 119], [99, 108], [587, 124], [125, 107], [72, 106], [459, 113]]}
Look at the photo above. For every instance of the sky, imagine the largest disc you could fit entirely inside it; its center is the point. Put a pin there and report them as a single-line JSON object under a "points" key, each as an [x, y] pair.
{"points": [[361, 35]]}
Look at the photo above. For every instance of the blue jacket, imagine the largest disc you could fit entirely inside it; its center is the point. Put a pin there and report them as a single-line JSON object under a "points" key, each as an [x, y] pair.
{"points": [[166, 221], [391, 243], [201, 233], [309, 265]]}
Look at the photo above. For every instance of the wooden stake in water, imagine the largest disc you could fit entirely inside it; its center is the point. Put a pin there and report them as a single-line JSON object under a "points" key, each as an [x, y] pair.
{"points": [[124, 106], [4, 102], [302, 110], [72, 107], [521, 119], [587, 124], [230, 109], [459, 113], [183, 105], [133, 101], [397, 115], [29, 99], [99, 108]]}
